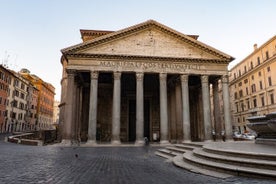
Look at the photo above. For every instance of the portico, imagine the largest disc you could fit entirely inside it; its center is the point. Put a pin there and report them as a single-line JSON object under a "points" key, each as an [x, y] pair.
{"points": [[143, 81]]}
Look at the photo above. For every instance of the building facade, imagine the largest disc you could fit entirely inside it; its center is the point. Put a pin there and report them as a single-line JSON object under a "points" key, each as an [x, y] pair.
{"points": [[17, 103], [253, 85], [44, 92], [146, 80], [32, 99], [5, 80]]}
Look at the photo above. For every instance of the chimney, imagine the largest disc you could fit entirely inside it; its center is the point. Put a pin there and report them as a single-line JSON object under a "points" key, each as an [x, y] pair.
{"points": [[255, 46]]}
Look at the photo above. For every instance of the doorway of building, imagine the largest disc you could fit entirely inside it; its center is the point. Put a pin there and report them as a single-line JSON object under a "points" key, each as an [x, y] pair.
{"points": [[132, 120]]}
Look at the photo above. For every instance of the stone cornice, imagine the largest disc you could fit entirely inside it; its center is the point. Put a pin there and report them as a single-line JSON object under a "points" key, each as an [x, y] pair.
{"points": [[142, 26], [146, 58]]}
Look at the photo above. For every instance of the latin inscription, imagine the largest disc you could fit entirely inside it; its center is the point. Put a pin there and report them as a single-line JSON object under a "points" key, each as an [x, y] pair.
{"points": [[150, 65]]}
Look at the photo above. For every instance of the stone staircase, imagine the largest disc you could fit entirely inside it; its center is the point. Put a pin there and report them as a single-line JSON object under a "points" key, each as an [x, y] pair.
{"points": [[216, 161]]}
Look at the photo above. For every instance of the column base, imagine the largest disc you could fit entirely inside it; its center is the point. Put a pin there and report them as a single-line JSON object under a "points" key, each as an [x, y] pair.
{"points": [[139, 142], [75, 143], [65, 142], [116, 142], [186, 141], [91, 143], [164, 142]]}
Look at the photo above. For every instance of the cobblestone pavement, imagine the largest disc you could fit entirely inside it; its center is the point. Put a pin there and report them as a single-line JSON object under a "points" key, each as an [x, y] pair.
{"points": [[110, 165]]}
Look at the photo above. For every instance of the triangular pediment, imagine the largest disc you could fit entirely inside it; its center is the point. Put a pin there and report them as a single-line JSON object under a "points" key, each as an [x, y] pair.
{"points": [[148, 39]]}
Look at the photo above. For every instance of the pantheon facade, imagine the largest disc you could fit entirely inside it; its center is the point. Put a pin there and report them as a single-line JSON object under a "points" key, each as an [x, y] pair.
{"points": [[146, 80]]}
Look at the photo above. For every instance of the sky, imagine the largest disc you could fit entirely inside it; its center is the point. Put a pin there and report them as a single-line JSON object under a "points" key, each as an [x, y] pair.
{"points": [[32, 32]]}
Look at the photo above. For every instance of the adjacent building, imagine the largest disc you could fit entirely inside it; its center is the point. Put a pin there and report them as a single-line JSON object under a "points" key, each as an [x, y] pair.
{"points": [[16, 105], [253, 85], [26, 101], [5, 81], [45, 93], [146, 80], [56, 112]]}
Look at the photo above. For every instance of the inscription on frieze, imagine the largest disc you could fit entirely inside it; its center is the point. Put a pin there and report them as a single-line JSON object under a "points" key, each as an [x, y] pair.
{"points": [[149, 66]]}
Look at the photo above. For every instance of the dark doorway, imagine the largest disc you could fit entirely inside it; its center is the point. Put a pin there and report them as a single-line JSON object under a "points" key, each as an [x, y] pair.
{"points": [[132, 120], [147, 119]]}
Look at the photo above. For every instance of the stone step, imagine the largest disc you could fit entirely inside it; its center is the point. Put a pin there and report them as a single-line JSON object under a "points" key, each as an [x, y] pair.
{"points": [[228, 168], [194, 144], [239, 153], [234, 160], [166, 156], [167, 152], [184, 147], [179, 162], [176, 149]]}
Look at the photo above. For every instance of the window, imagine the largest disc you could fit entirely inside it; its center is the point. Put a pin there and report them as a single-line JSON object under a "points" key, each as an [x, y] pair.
{"points": [[240, 93], [271, 98], [269, 81], [237, 107], [261, 85], [14, 103], [22, 86], [16, 82], [254, 103], [242, 106], [16, 93], [248, 104], [13, 115], [253, 88], [20, 116], [22, 95], [21, 105], [267, 55], [263, 101], [236, 95]]}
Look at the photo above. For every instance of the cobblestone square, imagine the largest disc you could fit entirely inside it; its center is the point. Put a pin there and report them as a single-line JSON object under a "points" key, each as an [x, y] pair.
{"points": [[112, 165]]}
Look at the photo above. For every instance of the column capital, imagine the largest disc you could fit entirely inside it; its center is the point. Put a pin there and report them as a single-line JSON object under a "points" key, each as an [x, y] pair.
{"points": [[94, 74], [204, 78], [224, 79], [139, 76], [184, 78], [163, 76], [71, 71], [117, 75]]}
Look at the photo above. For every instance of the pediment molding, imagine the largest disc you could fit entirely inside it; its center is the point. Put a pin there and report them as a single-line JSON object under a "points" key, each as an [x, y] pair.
{"points": [[74, 50], [144, 58]]}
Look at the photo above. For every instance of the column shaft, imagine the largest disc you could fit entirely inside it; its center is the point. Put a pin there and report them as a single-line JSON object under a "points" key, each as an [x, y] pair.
{"points": [[226, 105], [92, 122], [75, 114], [185, 108], [163, 109], [217, 120], [139, 108], [68, 120], [206, 108], [116, 110], [178, 109]]}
